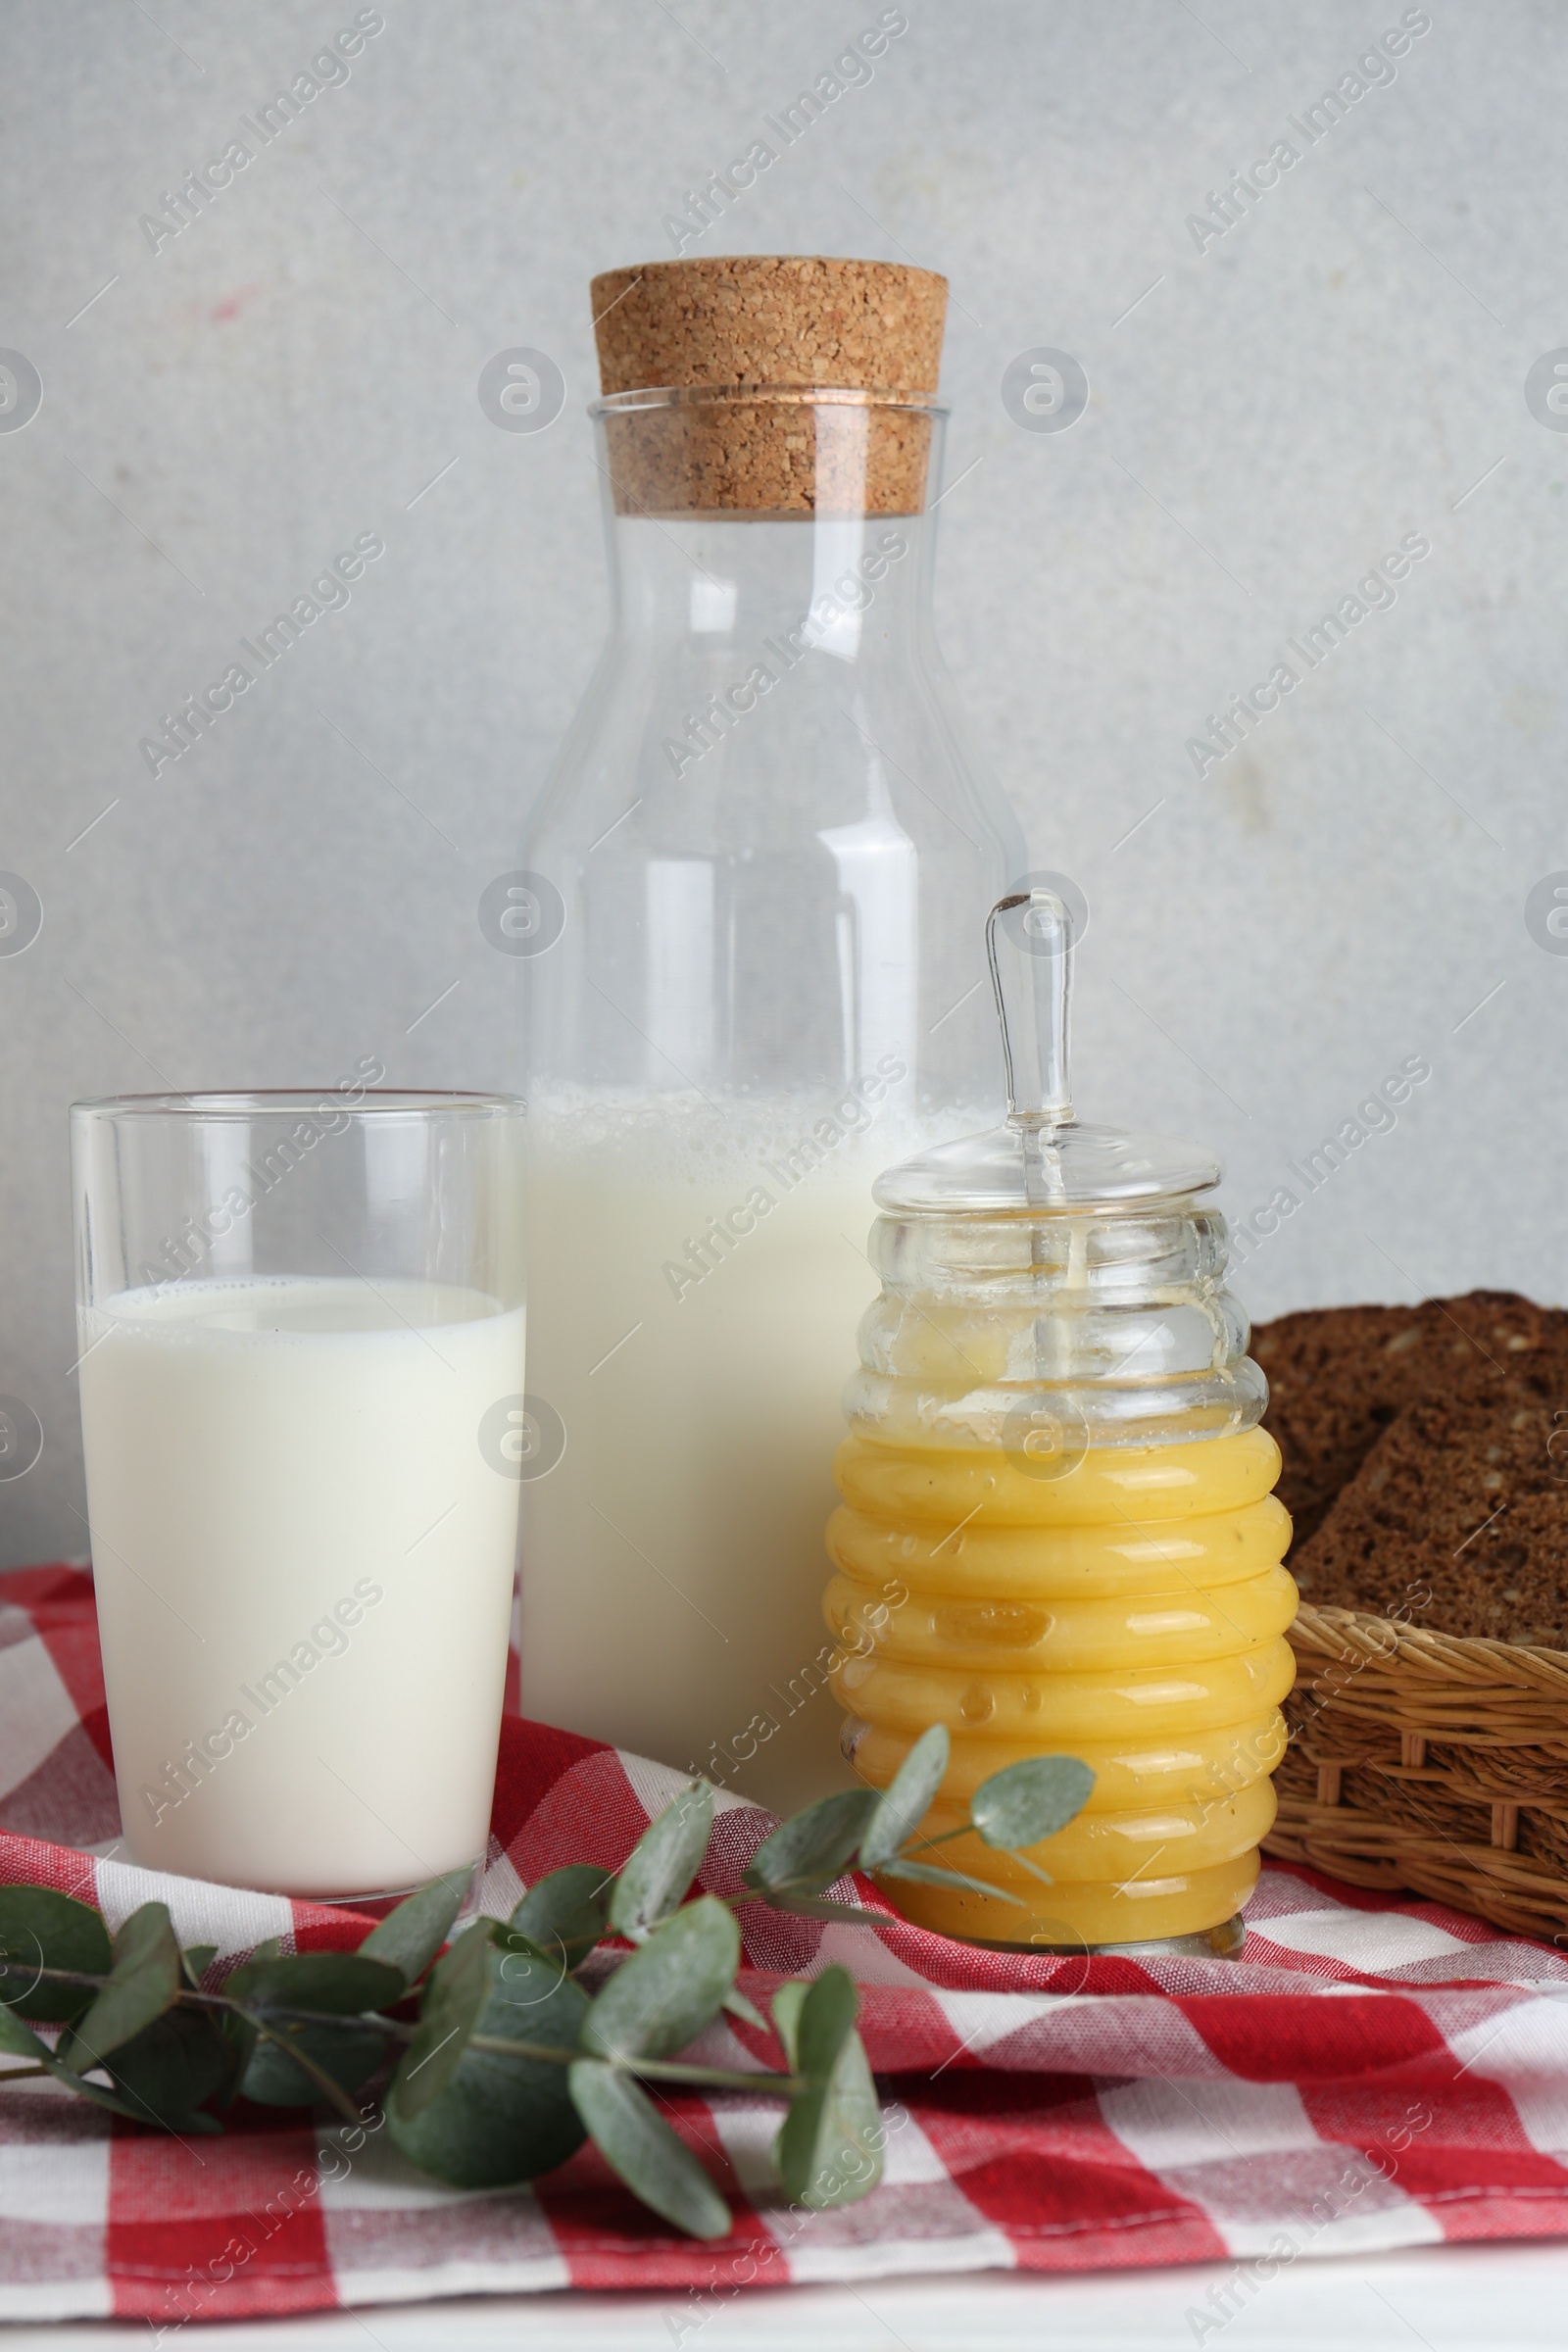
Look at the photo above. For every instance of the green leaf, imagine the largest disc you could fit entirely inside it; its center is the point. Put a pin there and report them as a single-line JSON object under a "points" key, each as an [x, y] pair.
{"points": [[907, 1802], [144, 1980], [787, 2004], [662, 1864], [18, 2041], [829, 2148], [932, 1874], [568, 1912], [411, 1936], [454, 2001], [344, 1983], [41, 1928], [195, 1960], [1026, 1802], [350, 2053], [638, 2144], [241, 2036], [826, 2018], [661, 1997], [497, 2119], [736, 2004], [813, 1849], [167, 2072]]}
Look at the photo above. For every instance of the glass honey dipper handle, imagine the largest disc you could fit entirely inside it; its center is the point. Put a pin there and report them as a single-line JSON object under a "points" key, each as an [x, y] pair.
{"points": [[1029, 948]]}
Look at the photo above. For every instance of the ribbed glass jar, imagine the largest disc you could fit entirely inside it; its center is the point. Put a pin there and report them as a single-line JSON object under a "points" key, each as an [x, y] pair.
{"points": [[1058, 1535]]}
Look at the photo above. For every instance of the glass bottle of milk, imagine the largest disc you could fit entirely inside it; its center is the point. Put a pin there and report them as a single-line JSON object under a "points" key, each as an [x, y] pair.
{"points": [[753, 897]]}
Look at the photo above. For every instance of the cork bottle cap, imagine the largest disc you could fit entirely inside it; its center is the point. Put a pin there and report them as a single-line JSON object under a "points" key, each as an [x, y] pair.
{"points": [[769, 318], [742, 345]]}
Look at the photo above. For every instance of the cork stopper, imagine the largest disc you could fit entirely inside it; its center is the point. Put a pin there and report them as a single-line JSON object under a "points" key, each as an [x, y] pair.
{"points": [[769, 318], [741, 346]]}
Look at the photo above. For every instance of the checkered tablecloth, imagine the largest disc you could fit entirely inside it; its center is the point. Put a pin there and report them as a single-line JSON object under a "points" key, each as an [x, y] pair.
{"points": [[1370, 2075]]}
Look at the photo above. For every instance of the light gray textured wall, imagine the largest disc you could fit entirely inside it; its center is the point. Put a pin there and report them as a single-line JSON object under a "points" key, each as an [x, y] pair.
{"points": [[1344, 365]]}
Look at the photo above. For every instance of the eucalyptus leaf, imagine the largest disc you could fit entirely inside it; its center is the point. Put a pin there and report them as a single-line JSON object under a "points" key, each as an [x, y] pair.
{"points": [[454, 2001], [344, 1983], [662, 1864], [195, 1960], [1026, 1802], [241, 2036], [829, 2147], [736, 2004], [812, 1850], [639, 2145], [410, 1938], [569, 1911], [661, 1997], [825, 2021], [932, 1874], [42, 1929], [496, 2119], [349, 2052], [786, 2006], [169, 2069], [101, 2096], [18, 2041], [906, 1800], [145, 1979]]}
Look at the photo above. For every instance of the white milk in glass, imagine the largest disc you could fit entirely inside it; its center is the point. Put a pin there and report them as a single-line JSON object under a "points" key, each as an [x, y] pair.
{"points": [[694, 1296], [301, 1548]]}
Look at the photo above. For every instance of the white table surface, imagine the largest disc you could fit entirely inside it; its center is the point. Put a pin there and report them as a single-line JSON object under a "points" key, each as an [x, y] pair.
{"points": [[1493, 2298]]}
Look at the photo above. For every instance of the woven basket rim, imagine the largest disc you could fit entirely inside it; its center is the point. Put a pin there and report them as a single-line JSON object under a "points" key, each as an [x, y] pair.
{"points": [[1364, 1635]]}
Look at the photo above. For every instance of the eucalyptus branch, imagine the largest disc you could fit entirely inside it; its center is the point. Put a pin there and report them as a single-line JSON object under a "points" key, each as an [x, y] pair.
{"points": [[472, 2101], [652, 2070]]}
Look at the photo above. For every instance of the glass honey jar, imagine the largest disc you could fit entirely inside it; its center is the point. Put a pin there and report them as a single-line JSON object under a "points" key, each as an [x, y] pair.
{"points": [[1058, 1533]]}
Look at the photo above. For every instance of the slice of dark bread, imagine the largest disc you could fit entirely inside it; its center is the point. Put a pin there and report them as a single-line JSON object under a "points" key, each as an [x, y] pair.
{"points": [[1457, 1519], [1338, 1375]]}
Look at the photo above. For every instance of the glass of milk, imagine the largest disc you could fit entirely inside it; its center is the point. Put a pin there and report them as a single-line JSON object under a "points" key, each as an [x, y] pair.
{"points": [[300, 1335]]}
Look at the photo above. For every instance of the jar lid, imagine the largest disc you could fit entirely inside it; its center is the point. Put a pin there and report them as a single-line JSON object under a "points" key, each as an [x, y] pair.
{"points": [[1041, 1159]]}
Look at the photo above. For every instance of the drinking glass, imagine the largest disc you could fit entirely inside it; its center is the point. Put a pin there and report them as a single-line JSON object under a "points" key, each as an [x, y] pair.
{"points": [[300, 1335]]}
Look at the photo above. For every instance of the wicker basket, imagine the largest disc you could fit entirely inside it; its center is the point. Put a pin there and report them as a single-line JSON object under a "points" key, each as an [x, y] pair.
{"points": [[1425, 1761]]}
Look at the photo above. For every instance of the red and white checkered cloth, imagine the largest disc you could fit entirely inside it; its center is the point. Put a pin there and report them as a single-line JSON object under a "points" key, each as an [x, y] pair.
{"points": [[1371, 2075]]}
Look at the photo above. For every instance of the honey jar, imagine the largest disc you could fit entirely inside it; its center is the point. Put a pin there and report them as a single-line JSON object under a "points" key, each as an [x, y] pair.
{"points": [[1058, 1533]]}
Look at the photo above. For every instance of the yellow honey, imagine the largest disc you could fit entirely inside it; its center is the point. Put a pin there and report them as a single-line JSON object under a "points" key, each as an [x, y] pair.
{"points": [[1130, 1612]]}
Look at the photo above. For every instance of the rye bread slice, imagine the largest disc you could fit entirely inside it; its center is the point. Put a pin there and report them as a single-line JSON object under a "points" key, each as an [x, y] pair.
{"points": [[1338, 1375], [1457, 1519]]}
